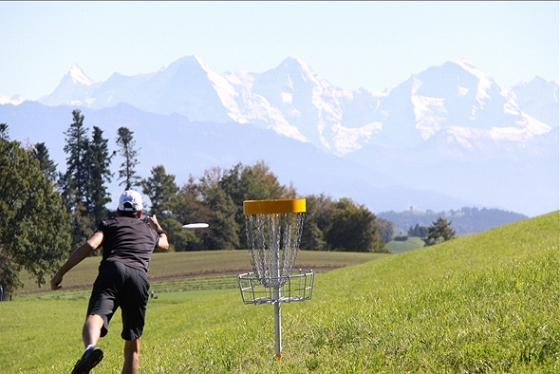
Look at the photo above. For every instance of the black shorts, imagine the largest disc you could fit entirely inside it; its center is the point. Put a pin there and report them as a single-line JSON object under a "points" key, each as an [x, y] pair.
{"points": [[118, 285]]}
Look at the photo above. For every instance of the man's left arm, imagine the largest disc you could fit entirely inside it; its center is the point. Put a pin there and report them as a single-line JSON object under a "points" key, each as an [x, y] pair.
{"points": [[162, 241]]}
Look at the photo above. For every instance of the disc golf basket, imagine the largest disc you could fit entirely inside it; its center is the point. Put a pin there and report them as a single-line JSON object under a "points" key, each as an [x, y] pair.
{"points": [[274, 230]]}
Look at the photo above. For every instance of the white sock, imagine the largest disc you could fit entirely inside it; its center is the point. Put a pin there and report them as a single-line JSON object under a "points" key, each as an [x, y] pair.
{"points": [[89, 346]]}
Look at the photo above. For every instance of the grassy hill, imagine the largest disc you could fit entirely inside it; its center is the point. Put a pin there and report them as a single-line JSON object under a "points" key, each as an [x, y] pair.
{"points": [[483, 303]]}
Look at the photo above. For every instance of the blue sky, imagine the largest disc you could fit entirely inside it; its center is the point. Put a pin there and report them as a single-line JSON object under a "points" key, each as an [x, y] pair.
{"points": [[375, 45]]}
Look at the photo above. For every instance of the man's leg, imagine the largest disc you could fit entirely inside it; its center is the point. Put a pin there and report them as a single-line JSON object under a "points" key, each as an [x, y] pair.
{"points": [[91, 332], [92, 329], [131, 356]]}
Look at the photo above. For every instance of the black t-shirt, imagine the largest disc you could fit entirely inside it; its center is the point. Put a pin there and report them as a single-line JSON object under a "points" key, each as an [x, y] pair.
{"points": [[129, 241]]}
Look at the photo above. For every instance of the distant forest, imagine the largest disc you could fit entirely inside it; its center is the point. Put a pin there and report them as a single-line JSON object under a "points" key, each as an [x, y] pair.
{"points": [[463, 221]]}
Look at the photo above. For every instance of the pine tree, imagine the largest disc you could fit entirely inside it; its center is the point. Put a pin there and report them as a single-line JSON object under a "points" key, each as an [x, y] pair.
{"points": [[48, 167], [100, 162], [76, 169], [161, 190], [128, 150], [4, 132], [76, 181], [438, 232]]}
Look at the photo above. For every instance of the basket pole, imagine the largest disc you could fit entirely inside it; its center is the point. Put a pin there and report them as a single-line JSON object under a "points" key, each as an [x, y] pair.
{"points": [[276, 293], [277, 324]]}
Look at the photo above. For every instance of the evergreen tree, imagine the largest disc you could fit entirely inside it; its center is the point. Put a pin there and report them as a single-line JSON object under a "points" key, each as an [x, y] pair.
{"points": [[76, 181], [161, 190], [438, 232], [76, 168], [100, 174], [47, 166], [34, 221], [4, 132], [127, 144]]}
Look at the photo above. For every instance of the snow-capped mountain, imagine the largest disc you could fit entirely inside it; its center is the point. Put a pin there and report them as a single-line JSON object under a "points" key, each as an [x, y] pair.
{"points": [[456, 100], [75, 88]]}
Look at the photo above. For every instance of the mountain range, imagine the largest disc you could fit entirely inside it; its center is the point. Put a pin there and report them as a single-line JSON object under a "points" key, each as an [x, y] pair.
{"points": [[446, 137]]}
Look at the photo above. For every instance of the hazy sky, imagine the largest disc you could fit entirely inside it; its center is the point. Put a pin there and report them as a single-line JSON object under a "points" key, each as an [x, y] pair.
{"points": [[375, 45]]}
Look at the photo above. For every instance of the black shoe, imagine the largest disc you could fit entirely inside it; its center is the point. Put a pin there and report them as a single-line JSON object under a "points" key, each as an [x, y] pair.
{"points": [[88, 361]]}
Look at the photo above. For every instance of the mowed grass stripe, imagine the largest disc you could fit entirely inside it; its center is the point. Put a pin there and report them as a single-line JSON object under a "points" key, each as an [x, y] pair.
{"points": [[219, 267]]}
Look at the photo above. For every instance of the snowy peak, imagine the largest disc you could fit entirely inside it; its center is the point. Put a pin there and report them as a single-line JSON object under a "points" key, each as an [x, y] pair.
{"points": [[296, 72], [455, 78], [484, 84], [314, 107], [472, 69], [78, 76], [75, 88], [188, 64], [539, 99], [294, 67]]}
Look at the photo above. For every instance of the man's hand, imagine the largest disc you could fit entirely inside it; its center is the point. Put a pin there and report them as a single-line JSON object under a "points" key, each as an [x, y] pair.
{"points": [[154, 224], [55, 282]]}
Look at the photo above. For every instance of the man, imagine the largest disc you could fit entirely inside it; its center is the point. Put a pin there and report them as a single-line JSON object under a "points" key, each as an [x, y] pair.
{"points": [[128, 244]]}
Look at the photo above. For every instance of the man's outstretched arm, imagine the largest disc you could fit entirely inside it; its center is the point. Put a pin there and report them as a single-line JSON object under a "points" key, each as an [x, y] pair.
{"points": [[76, 257]]}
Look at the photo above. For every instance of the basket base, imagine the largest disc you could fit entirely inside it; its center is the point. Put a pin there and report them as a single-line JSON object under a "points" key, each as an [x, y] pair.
{"points": [[292, 288]]}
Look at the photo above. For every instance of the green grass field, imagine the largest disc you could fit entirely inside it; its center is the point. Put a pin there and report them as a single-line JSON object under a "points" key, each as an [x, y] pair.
{"points": [[411, 243], [483, 303]]}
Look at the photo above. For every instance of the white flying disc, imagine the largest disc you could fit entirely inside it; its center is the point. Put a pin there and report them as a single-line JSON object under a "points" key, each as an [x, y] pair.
{"points": [[195, 226]]}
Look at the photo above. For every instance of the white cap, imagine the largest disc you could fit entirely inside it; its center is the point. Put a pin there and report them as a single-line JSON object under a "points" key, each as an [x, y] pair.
{"points": [[130, 201]]}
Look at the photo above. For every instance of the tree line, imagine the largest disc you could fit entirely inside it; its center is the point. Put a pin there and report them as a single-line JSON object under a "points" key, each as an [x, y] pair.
{"points": [[465, 220], [47, 213]]}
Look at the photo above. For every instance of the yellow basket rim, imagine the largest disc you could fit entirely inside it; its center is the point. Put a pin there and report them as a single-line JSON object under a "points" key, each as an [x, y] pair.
{"points": [[274, 206]]}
